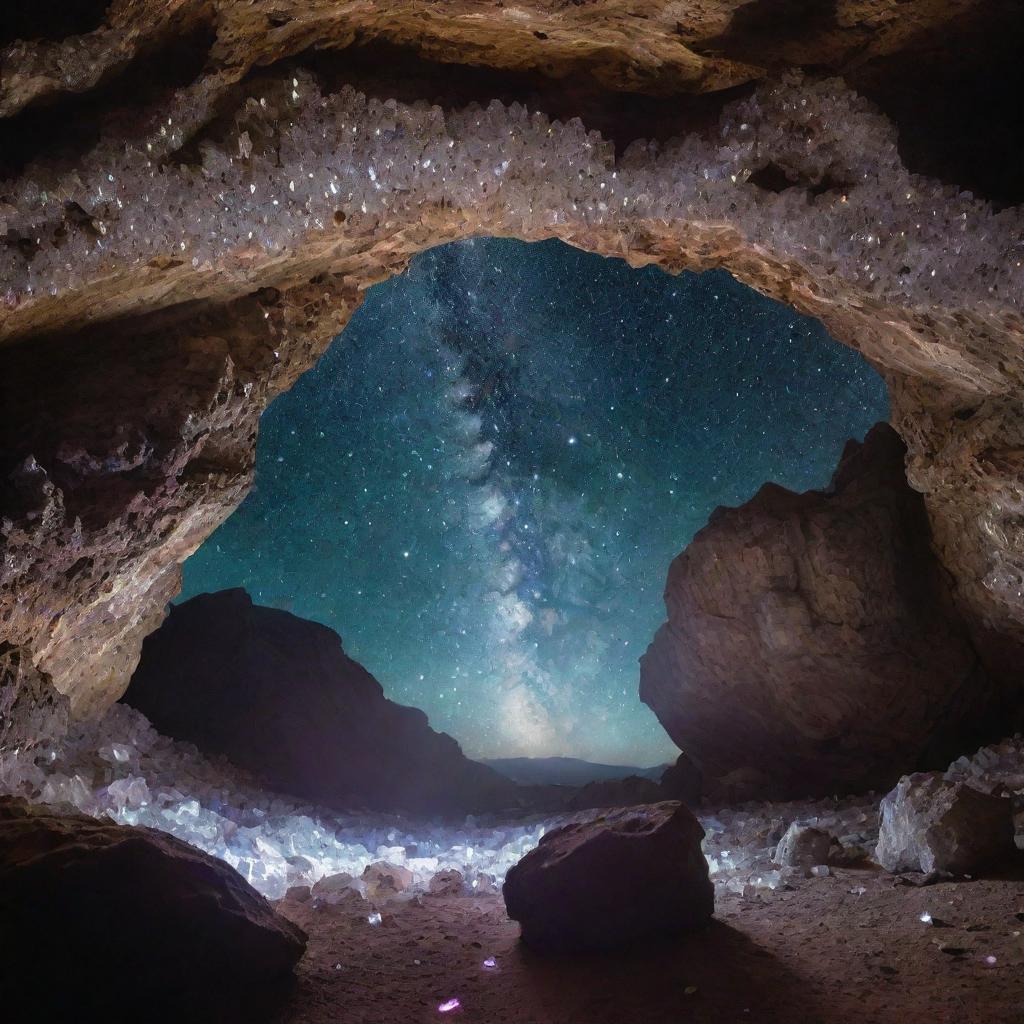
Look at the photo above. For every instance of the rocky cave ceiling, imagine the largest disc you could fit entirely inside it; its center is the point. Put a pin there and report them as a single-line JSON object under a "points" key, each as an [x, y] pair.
{"points": [[194, 195]]}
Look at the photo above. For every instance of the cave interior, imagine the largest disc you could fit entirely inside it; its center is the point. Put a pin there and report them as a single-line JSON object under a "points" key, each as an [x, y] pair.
{"points": [[511, 512]]}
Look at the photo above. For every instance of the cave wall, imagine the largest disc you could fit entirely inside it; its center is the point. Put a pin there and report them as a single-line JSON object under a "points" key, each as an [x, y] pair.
{"points": [[812, 644], [194, 194]]}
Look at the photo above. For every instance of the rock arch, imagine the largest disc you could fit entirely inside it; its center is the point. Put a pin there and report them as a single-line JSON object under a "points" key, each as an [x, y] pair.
{"points": [[173, 265]]}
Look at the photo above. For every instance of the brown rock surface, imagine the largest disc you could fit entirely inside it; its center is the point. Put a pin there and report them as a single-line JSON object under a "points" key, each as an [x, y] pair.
{"points": [[632, 874], [929, 824], [175, 932], [129, 400], [812, 643]]}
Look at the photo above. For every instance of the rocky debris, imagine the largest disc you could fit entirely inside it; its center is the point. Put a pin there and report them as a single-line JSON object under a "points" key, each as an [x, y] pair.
{"points": [[383, 880], [803, 846], [337, 888], [683, 781], [179, 925], [447, 883], [998, 768], [627, 792], [632, 874], [931, 825], [316, 724], [812, 645]]}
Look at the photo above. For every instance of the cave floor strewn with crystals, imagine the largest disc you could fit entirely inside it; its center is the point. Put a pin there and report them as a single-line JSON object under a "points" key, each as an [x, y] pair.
{"points": [[818, 952]]}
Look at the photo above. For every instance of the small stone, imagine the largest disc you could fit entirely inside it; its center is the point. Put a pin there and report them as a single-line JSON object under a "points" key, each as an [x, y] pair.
{"points": [[447, 883], [337, 888], [803, 846]]}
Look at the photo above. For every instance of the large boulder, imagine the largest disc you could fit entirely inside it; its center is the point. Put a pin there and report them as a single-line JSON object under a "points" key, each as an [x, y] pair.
{"points": [[112, 922], [277, 695], [812, 644], [631, 874], [929, 824]]}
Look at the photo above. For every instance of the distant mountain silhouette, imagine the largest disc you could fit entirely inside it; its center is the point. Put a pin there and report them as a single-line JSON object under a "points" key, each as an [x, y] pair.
{"points": [[565, 771]]}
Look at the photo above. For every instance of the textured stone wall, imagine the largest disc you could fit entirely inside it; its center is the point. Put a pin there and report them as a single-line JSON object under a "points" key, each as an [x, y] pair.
{"points": [[812, 643], [194, 194]]}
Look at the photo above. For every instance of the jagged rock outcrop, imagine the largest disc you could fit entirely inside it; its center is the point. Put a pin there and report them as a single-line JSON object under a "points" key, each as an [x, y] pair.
{"points": [[683, 781], [632, 874], [276, 694], [929, 824], [812, 642], [185, 936], [169, 264]]}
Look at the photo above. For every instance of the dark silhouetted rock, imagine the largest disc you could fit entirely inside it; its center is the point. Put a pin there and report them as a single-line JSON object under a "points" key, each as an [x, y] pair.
{"points": [[112, 922], [631, 874], [565, 771], [625, 792], [812, 645], [683, 781], [277, 695], [803, 846], [931, 825]]}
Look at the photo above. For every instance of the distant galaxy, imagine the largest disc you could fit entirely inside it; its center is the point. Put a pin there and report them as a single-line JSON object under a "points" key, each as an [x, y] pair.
{"points": [[482, 483]]}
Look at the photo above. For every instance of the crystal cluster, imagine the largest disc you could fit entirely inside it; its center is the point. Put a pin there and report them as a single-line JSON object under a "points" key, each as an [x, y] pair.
{"points": [[297, 164], [741, 841], [999, 767], [120, 766]]}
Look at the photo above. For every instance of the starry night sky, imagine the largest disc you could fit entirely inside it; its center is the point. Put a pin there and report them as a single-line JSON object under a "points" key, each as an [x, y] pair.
{"points": [[482, 483]]}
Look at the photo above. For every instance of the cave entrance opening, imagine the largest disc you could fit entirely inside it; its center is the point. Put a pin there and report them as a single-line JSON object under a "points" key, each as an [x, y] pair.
{"points": [[482, 483]]}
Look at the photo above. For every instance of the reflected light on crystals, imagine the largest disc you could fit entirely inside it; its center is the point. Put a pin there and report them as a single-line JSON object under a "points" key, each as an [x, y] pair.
{"points": [[890, 233], [276, 843]]}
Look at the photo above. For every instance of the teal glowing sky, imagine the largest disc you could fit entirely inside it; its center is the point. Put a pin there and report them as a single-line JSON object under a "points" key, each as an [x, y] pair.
{"points": [[482, 483]]}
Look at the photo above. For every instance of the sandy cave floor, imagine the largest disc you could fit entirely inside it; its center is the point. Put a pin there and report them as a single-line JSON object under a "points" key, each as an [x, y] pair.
{"points": [[814, 953]]}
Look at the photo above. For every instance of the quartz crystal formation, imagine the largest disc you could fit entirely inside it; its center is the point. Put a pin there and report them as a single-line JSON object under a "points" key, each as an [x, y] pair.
{"points": [[119, 767], [294, 157], [930, 824], [628, 875]]}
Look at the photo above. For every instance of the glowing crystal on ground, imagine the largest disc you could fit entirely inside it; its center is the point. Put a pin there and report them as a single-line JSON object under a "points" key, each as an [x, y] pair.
{"points": [[449, 1005]]}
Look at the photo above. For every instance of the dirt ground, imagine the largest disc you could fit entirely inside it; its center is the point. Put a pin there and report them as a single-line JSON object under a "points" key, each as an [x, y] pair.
{"points": [[815, 953]]}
